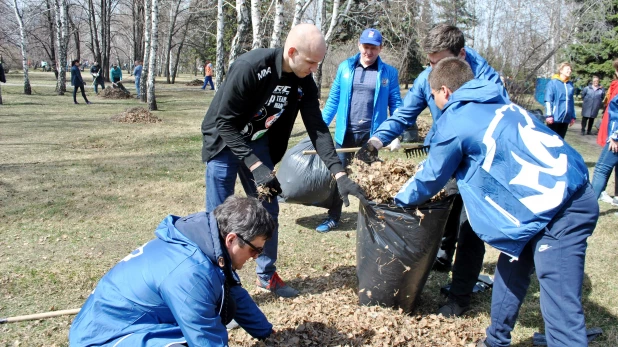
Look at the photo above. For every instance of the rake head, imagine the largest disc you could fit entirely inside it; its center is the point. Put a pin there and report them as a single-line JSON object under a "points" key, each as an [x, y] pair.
{"points": [[416, 152]]}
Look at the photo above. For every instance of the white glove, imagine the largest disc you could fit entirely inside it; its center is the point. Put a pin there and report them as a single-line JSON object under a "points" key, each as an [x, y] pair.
{"points": [[375, 143], [395, 145]]}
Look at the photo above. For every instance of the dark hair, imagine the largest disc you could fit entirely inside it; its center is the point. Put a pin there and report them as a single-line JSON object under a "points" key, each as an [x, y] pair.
{"points": [[245, 217], [442, 37], [450, 72], [74, 61]]}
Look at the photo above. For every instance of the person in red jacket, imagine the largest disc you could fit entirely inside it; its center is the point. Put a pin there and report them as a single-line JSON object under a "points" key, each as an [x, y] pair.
{"points": [[603, 132]]}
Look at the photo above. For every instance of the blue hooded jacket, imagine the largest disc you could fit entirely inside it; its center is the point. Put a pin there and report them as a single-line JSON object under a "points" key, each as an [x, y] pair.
{"points": [[513, 173], [559, 101], [387, 95], [419, 97], [169, 290]]}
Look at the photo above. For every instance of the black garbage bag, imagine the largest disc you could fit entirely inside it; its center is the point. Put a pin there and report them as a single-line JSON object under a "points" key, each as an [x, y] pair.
{"points": [[395, 251], [410, 134], [305, 179]]}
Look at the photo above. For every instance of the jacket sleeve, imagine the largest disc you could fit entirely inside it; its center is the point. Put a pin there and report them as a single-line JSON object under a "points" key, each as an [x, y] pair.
{"points": [[584, 92], [444, 158], [549, 99], [191, 297], [316, 128], [330, 108], [612, 110], [405, 116], [237, 92], [394, 95], [248, 315]]}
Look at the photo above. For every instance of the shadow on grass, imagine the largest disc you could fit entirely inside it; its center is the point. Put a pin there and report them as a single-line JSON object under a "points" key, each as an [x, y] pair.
{"points": [[346, 223], [315, 333], [608, 211], [591, 164]]}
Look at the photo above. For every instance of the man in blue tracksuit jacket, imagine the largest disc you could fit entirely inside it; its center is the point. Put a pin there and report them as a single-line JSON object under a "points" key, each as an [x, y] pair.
{"points": [[364, 89], [526, 192], [181, 288], [445, 41]]}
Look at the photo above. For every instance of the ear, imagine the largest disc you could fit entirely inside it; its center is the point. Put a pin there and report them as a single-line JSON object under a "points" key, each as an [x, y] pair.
{"points": [[447, 92], [229, 239], [462, 54], [291, 52]]}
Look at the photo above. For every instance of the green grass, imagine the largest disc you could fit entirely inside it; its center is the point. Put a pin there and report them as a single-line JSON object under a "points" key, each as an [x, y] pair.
{"points": [[78, 192]]}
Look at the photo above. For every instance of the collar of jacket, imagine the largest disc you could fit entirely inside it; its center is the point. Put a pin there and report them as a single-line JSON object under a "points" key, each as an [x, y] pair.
{"points": [[355, 59], [210, 243], [557, 77], [279, 61]]}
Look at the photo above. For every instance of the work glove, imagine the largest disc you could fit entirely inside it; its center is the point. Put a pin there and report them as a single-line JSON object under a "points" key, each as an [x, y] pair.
{"points": [[549, 120], [346, 187], [265, 178], [369, 152], [395, 145]]}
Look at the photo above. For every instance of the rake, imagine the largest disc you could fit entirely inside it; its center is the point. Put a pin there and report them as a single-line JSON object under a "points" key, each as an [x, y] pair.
{"points": [[39, 316], [411, 150]]}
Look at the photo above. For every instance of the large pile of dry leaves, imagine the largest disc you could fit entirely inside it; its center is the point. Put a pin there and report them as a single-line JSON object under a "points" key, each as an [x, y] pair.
{"points": [[114, 93], [423, 128], [136, 115], [195, 82], [383, 179]]}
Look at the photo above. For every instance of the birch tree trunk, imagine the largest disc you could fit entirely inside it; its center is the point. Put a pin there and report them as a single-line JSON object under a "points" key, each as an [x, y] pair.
{"points": [[94, 35], [62, 40], [328, 37], [52, 41], [242, 28], [170, 35], [138, 29], [152, 65], [255, 24], [24, 56], [220, 48], [147, 25], [299, 9], [275, 40]]}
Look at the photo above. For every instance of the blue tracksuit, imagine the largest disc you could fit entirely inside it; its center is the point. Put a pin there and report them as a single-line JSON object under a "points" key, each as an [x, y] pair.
{"points": [[559, 101], [338, 104], [170, 290], [419, 97], [523, 187]]}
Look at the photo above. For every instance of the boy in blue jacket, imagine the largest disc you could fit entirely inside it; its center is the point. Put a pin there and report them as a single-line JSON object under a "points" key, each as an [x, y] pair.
{"points": [[181, 288], [526, 192]]}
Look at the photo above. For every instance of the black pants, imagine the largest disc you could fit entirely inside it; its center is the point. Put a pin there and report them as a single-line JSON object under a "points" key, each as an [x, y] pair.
{"points": [[590, 122], [75, 93], [469, 257], [559, 128]]}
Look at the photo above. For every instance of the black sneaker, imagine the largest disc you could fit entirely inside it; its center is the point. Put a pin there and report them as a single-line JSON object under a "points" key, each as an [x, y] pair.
{"points": [[452, 309], [442, 265]]}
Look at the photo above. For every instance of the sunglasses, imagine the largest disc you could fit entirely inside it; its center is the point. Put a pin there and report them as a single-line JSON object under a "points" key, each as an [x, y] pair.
{"points": [[257, 250]]}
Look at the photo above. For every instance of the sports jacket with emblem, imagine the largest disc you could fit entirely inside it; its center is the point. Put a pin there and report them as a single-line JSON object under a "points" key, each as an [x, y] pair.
{"points": [[170, 290], [338, 104], [250, 83], [513, 173]]}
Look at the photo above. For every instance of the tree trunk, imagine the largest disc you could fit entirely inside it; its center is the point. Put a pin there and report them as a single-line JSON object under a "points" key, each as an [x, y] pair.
{"points": [[255, 24], [170, 35], [138, 29], [147, 25], [328, 37], [242, 28], [220, 64], [52, 46], [152, 65], [76, 37], [94, 36], [275, 40], [62, 39], [24, 55], [299, 9]]}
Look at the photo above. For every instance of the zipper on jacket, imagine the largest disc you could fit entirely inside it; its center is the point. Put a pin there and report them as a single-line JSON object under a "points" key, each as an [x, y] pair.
{"points": [[503, 211]]}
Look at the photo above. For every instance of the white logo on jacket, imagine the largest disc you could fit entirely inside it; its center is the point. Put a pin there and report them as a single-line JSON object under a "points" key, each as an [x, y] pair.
{"points": [[263, 73], [536, 143]]}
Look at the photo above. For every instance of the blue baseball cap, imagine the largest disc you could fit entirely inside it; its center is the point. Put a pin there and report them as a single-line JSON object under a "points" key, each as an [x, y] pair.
{"points": [[371, 36]]}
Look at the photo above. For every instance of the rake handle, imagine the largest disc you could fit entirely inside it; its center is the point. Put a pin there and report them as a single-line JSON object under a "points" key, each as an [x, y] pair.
{"points": [[356, 149], [39, 316]]}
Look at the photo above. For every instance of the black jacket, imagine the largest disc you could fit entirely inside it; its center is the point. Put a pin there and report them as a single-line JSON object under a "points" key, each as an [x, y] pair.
{"points": [[76, 77], [249, 85], [96, 69], [2, 76]]}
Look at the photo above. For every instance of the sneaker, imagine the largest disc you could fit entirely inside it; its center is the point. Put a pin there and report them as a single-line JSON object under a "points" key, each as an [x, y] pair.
{"points": [[615, 201], [327, 225], [88, 103], [232, 325], [276, 286], [606, 198], [76, 103], [452, 309], [441, 265]]}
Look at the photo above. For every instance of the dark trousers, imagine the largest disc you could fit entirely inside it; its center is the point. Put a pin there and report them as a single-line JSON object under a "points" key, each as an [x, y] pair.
{"points": [[559, 128], [589, 121], [349, 140], [557, 253], [75, 93], [469, 257], [208, 80]]}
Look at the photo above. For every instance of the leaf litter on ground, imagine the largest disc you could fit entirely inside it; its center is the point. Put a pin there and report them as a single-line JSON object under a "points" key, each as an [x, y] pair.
{"points": [[136, 115]]}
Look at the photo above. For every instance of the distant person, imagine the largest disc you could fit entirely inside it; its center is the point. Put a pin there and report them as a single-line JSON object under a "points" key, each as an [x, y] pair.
{"points": [[137, 72], [592, 96], [77, 82], [98, 79], [361, 96], [608, 159], [604, 134], [208, 76], [559, 103], [115, 74], [181, 288]]}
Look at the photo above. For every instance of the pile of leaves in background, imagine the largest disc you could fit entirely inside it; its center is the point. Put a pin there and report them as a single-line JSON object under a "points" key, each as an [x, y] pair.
{"points": [[332, 317], [195, 82], [423, 128], [136, 115], [383, 179], [114, 93]]}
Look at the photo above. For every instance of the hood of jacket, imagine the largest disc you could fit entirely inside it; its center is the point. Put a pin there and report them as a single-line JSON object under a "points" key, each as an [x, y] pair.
{"points": [[477, 91], [557, 77]]}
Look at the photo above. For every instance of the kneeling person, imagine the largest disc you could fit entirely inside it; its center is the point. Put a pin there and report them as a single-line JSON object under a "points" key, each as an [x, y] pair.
{"points": [[181, 287], [527, 194]]}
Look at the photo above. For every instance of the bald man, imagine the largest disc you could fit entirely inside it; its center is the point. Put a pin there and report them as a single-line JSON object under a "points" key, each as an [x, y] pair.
{"points": [[248, 125]]}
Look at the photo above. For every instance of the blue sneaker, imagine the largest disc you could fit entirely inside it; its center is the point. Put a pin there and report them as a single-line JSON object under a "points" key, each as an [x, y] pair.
{"points": [[327, 225]]}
